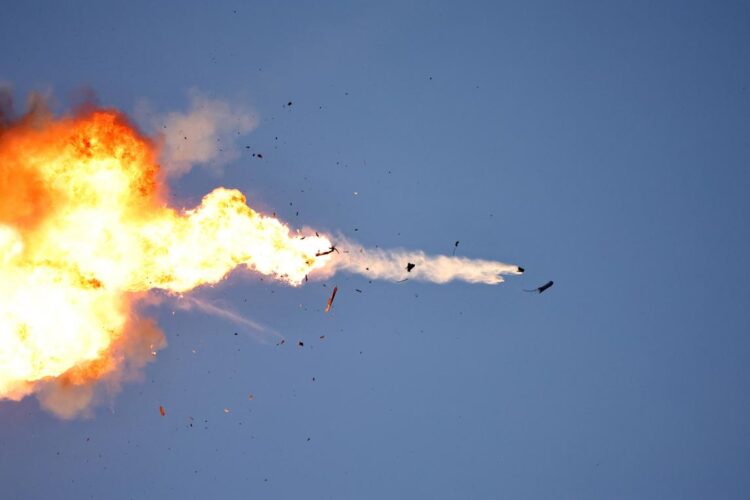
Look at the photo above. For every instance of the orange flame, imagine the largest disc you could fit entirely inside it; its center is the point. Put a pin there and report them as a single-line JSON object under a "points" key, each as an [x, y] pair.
{"points": [[85, 231]]}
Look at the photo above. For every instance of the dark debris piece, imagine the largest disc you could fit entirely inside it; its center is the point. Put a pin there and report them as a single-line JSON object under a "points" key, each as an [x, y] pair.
{"points": [[410, 266], [542, 288]]}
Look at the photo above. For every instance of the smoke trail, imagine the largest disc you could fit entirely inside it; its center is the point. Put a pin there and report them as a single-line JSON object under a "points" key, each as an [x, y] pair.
{"points": [[391, 265], [256, 329]]}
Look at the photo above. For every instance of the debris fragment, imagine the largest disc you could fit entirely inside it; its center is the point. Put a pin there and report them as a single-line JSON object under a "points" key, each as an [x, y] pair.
{"points": [[542, 288], [330, 300], [358, 290], [162, 412], [250, 397], [330, 250], [454, 247], [410, 266], [300, 343], [322, 337]]}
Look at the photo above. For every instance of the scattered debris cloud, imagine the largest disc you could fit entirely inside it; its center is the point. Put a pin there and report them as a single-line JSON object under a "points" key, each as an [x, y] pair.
{"points": [[87, 234]]}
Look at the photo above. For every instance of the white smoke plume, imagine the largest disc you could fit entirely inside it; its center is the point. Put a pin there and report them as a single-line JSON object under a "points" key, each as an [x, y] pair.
{"points": [[391, 265], [206, 134]]}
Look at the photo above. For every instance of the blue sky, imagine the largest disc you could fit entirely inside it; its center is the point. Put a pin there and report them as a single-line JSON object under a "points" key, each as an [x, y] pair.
{"points": [[602, 145]]}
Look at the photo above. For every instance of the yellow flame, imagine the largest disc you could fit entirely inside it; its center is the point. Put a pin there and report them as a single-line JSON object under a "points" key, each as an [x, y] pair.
{"points": [[84, 229]]}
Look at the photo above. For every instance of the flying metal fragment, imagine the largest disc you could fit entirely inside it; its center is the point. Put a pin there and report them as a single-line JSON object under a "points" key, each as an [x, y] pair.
{"points": [[542, 288], [410, 266], [162, 412], [329, 251], [330, 300]]}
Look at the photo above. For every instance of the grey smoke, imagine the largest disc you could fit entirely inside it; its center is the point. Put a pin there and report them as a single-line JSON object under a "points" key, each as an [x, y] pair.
{"points": [[205, 134]]}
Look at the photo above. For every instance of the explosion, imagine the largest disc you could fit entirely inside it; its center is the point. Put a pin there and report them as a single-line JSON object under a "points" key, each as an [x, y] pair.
{"points": [[86, 233]]}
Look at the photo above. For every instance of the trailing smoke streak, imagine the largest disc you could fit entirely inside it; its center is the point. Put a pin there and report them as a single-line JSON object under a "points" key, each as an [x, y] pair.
{"points": [[255, 328], [390, 265]]}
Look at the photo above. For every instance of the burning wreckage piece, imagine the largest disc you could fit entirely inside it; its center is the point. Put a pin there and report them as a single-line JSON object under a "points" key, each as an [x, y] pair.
{"points": [[330, 299]]}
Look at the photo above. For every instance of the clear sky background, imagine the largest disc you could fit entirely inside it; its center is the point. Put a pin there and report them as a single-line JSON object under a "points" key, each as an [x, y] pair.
{"points": [[602, 145]]}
